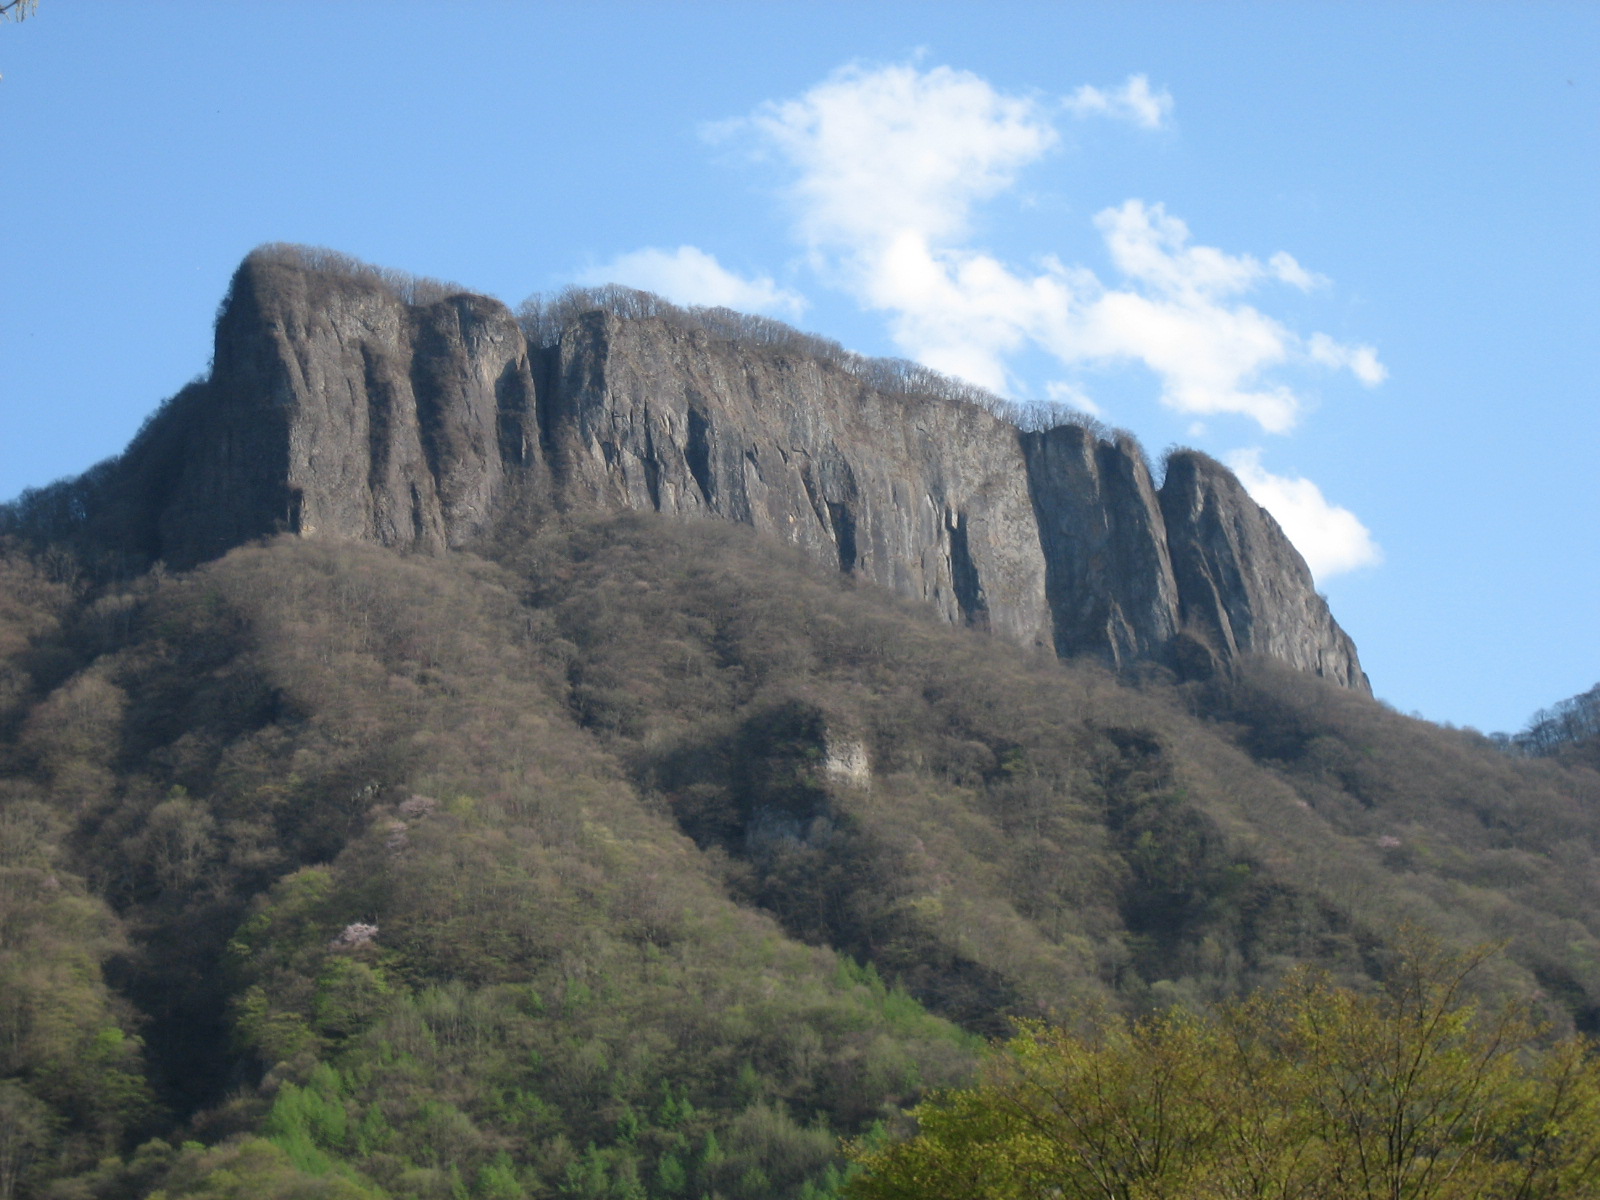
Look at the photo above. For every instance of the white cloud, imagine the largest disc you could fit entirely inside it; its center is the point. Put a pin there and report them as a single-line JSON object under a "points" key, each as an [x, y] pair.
{"points": [[688, 275], [888, 165], [1362, 361], [1331, 539], [892, 150], [1153, 248], [1285, 268], [1178, 315], [1208, 356], [956, 311], [1133, 101]]}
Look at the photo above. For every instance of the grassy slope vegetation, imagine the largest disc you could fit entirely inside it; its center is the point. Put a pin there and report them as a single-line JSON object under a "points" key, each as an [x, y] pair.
{"points": [[635, 858]]}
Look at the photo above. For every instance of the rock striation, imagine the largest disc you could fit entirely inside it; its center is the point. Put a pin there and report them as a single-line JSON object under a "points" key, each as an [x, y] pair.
{"points": [[378, 419], [346, 402], [930, 500]]}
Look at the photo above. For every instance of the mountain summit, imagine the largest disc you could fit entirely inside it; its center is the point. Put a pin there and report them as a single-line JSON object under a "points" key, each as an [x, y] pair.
{"points": [[352, 403]]}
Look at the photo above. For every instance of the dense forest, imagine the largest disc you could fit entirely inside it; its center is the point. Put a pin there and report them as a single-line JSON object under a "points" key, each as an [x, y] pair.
{"points": [[632, 857]]}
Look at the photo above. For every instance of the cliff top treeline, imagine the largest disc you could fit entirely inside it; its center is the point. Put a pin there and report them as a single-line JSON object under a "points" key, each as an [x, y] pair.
{"points": [[545, 317]]}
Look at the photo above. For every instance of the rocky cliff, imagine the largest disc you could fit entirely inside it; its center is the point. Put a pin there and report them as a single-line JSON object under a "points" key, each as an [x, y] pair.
{"points": [[347, 403], [929, 499], [1242, 586]]}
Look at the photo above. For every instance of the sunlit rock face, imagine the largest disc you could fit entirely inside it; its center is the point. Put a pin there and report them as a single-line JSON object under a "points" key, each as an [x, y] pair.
{"points": [[929, 499], [342, 405], [1242, 585], [392, 422]]}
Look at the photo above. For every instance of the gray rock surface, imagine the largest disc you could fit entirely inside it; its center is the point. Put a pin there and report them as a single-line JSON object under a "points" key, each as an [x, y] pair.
{"points": [[346, 403], [1110, 580], [335, 408], [1242, 586], [928, 499]]}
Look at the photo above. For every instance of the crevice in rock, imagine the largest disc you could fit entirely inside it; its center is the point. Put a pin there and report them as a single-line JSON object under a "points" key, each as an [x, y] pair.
{"points": [[652, 467], [964, 572], [542, 365], [380, 414], [433, 350], [419, 522], [512, 404], [697, 452], [844, 534]]}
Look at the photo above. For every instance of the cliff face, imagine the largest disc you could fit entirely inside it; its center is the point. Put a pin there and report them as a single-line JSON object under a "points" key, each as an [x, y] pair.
{"points": [[928, 499], [339, 406], [1242, 586], [382, 421], [1110, 581]]}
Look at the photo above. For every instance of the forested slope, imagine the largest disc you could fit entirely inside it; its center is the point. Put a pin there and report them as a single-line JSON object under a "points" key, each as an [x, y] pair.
{"points": [[636, 857]]}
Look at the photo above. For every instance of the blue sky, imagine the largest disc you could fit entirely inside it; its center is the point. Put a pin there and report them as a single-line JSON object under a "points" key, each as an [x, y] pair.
{"points": [[1352, 249]]}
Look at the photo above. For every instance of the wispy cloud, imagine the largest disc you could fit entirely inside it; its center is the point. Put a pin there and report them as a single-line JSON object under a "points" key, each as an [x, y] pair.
{"points": [[689, 275], [887, 165], [1284, 268], [1331, 539], [1362, 361], [1133, 101]]}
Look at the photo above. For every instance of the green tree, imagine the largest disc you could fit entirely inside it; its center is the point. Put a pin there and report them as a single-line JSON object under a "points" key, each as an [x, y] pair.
{"points": [[1305, 1092], [24, 1135]]}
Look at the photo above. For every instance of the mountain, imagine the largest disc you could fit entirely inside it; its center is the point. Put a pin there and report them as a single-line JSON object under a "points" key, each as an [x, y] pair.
{"points": [[345, 403], [479, 822]]}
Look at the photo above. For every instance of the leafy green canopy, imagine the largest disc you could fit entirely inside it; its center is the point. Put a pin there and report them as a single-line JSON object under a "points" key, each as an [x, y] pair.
{"points": [[1304, 1092]]}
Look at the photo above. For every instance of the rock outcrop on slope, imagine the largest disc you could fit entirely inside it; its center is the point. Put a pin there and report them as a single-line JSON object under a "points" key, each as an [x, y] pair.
{"points": [[347, 403]]}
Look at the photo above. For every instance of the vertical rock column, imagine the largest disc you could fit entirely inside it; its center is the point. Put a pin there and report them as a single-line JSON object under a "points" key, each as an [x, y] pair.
{"points": [[336, 409], [1242, 586], [1108, 577]]}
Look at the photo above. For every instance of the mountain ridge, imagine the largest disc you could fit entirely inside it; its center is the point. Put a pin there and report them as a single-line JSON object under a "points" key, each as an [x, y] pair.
{"points": [[346, 402]]}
